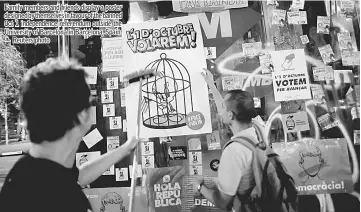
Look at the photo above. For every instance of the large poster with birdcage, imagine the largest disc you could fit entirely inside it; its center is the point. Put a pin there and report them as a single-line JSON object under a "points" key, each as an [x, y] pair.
{"points": [[174, 102]]}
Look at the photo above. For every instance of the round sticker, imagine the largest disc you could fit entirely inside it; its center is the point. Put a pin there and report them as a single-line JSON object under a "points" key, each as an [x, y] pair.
{"points": [[195, 120], [214, 164]]}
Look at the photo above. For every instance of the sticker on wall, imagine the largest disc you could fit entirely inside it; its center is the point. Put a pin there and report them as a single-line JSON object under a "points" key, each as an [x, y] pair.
{"points": [[304, 39], [177, 152], [323, 24], [147, 161], [115, 123], [138, 171], [92, 138], [195, 170], [295, 122], [327, 54], [322, 73], [210, 52], [344, 41], [112, 83], [112, 54], [194, 144], [347, 8], [107, 97], [112, 142], [121, 174], [195, 158], [350, 58], [278, 17], [124, 125], [83, 157], [266, 63], [92, 75], [147, 148], [122, 97], [297, 17], [317, 93], [293, 106], [328, 121], [213, 140], [252, 49], [109, 171], [108, 110], [257, 102], [214, 165]]}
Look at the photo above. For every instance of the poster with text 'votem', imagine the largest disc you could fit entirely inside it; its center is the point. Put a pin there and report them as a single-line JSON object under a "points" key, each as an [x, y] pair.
{"points": [[175, 102]]}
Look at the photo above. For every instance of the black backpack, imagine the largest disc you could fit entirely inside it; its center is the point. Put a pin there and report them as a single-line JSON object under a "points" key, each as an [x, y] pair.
{"points": [[274, 191]]}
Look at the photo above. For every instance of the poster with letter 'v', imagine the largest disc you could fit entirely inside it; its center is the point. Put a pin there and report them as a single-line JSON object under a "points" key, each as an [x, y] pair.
{"points": [[175, 101]]}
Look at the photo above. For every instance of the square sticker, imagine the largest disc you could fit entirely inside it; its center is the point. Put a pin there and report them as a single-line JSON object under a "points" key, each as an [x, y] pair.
{"points": [[195, 170], [147, 148], [109, 171], [112, 83], [115, 122], [108, 110], [327, 54], [121, 174], [92, 138], [323, 73], [210, 52], [295, 122], [112, 142], [194, 144], [195, 158], [147, 161], [107, 96], [304, 39], [323, 24], [213, 140]]}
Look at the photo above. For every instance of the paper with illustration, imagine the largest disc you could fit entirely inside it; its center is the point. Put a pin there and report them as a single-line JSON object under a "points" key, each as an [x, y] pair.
{"points": [[173, 101]]}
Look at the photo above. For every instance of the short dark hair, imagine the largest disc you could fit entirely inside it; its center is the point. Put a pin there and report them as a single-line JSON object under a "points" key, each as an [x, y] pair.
{"points": [[51, 95], [242, 105]]}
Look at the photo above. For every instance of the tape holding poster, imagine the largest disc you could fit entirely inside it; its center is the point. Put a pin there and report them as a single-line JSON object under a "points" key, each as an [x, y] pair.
{"points": [[165, 188], [317, 166]]}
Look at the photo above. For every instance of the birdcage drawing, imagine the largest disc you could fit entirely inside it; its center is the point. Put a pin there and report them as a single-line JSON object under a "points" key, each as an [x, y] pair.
{"points": [[167, 98]]}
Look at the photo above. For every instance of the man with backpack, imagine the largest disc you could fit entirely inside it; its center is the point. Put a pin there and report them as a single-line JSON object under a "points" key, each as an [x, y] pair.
{"points": [[251, 177]]}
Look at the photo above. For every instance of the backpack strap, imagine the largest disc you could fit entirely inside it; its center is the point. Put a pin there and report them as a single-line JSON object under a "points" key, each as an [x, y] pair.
{"points": [[245, 141]]}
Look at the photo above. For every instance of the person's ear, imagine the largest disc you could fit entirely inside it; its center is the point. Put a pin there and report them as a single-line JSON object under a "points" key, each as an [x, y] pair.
{"points": [[230, 115]]}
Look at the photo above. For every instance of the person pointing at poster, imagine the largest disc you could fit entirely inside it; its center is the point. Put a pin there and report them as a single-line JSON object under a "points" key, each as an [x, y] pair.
{"points": [[55, 99], [235, 175]]}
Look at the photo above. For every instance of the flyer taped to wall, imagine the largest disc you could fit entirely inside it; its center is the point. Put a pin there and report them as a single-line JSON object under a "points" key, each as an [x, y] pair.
{"points": [[173, 101], [317, 166], [112, 54]]}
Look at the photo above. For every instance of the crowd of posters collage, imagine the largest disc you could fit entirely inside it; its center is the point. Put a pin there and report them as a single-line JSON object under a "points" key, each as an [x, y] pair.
{"points": [[177, 112]]}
